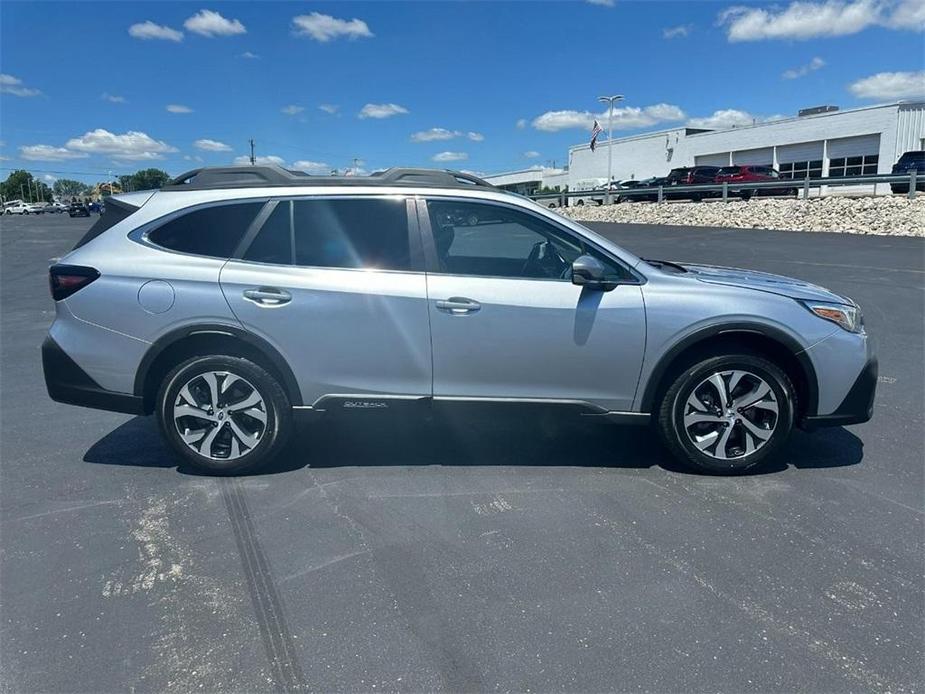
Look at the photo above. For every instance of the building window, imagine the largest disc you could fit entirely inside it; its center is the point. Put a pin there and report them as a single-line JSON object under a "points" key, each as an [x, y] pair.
{"points": [[854, 166], [801, 169]]}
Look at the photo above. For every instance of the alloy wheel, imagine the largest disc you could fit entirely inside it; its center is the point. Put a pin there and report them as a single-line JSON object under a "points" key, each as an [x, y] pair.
{"points": [[220, 415], [730, 414]]}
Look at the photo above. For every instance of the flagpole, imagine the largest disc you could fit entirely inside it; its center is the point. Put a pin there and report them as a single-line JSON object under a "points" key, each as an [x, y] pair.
{"points": [[610, 100]]}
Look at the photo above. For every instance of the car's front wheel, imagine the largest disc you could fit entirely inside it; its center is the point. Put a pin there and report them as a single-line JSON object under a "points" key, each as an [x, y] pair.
{"points": [[224, 414], [727, 414]]}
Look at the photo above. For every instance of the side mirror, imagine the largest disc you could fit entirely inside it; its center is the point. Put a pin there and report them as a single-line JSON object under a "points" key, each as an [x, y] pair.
{"points": [[588, 271]]}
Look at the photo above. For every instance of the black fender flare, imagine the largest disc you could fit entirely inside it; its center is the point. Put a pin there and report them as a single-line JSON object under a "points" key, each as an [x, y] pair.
{"points": [[254, 341], [775, 334]]}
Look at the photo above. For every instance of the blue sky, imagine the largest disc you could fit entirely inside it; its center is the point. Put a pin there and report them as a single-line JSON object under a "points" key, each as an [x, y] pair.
{"points": [[481, 86]]}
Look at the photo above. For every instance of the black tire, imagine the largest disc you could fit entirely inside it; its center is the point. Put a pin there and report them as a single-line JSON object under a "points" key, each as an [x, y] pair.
{"points": [[275, 431], [746, 195], [673, 405]]}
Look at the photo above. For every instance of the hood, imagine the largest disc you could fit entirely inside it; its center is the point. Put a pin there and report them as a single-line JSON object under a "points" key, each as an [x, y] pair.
{"points": [[765, 282]]}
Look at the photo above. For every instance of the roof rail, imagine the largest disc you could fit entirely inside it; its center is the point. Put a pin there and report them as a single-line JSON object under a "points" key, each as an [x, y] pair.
{"points": [[276, 176]]}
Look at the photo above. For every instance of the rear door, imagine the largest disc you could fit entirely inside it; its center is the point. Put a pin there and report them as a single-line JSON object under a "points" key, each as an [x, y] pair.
{"points": [[506, 320], [334, 285]]}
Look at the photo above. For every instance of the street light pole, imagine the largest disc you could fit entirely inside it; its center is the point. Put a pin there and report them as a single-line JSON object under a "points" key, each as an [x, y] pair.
{"points": [[609, 100]]}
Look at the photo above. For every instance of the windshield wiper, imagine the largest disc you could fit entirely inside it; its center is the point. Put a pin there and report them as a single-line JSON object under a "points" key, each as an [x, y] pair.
{"points": [[665, 263]]}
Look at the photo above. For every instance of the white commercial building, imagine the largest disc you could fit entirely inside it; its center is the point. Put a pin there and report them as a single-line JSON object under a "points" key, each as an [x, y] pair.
{"points": [[532, 180], [858, 141]]}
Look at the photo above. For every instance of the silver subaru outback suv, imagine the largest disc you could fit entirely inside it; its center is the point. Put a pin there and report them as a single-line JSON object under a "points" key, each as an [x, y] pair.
{"points": [[234, 302]]}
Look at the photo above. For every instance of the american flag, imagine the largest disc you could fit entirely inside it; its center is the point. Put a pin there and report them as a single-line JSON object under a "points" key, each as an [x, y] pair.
{"points": [[596, 130]]}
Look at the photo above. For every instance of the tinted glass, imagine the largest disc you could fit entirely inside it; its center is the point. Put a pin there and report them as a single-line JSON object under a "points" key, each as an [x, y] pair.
{"points": [[352, 233], [213, 231], [495, 241], [729, 170], [274, 242]]}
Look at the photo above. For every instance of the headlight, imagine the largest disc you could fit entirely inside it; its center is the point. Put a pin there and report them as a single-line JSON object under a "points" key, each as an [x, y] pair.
{"points": [[848, 317]]}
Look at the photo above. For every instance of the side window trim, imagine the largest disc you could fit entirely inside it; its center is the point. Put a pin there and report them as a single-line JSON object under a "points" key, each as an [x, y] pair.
{"points": [[430, 249], [245, 243]]}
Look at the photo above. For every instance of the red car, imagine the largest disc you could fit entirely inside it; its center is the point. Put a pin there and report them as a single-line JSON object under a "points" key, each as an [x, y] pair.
{"points": [[749, 173]]}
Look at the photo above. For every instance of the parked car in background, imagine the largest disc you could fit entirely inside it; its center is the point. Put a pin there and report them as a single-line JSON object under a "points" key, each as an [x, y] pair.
{"points": [[906, 163], [35, 208], [78, 209], [55, 208], [96, 207], [16, 207], [751, 173], [588, 184], [691, 176]]}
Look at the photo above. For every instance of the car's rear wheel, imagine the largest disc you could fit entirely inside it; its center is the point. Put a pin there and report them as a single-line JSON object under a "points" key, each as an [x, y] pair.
{"points": [[727, 414], [224, 414]]}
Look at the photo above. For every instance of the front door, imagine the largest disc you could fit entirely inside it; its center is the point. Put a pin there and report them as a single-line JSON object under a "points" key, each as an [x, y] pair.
{"points": [[508, 323], [329, 282]]}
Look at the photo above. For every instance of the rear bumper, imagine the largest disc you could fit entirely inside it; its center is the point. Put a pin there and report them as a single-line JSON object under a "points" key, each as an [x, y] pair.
{"points": [[68, 383], [858, 405]]}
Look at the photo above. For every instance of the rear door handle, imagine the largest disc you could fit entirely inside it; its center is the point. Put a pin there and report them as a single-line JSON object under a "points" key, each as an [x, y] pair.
{"points": [[459, 305], [268, 296]]}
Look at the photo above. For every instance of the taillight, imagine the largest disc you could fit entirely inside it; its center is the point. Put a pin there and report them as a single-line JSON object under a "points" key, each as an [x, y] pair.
{"points": [[65, 280]]}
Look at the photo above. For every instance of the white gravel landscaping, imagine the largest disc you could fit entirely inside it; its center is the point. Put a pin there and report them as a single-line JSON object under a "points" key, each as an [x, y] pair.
{"points": [[884, 215]]}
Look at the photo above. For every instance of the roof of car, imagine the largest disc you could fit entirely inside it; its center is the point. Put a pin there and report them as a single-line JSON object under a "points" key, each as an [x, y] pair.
{"points": [[275, 176]]}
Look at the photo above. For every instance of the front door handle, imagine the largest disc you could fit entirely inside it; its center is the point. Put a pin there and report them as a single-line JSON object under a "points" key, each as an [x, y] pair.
{"points": [[459, 305], [268, 296]]}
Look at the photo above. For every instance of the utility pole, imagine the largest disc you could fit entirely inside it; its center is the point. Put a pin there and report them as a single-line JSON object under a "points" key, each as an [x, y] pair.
{"points": [[253, 158], [356, 165], [610, 100], [22, 193]]}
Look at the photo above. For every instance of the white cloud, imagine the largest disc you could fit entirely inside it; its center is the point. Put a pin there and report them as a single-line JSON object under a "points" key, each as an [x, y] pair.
{"points": [[329, 108], [521, 123], [908, 14], [269, 160], [602, 3], [250, 56], [132, 145], [890, 85], [724, 119], [678, 32], [803, 19], [434, 134], [323, 27], [381, 110], [532, 154], [210, 23], [178, 108], [149, 30], [13, 85], [49, 153], [211, 145], [112, 98], [318, 168], [292, 110], [49, 178], [475, 137], [626, 118], [450, 156], [188, 157], [803, 70]]}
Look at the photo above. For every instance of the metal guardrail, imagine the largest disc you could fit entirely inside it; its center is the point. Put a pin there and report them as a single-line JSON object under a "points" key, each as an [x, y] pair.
{"points": [[727, 190]]}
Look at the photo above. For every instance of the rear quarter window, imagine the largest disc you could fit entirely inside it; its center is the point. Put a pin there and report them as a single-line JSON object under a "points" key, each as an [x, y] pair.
{"points": [[212, 231]]}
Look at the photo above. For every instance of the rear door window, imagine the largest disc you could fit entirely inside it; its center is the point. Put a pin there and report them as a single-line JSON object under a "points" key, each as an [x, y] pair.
{"points": [[211, 231], [352, 233]]}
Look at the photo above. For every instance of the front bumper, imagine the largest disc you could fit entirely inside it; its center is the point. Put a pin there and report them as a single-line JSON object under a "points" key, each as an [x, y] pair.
{"points": [[858, 405], [68, 383]]}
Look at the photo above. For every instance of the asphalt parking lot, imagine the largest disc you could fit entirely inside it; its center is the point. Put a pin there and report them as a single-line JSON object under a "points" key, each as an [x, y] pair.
{"points": [[474, 555]]}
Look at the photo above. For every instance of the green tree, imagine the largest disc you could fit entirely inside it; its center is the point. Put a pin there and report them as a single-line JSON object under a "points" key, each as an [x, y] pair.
{"points": [[146, 179], [68, 188], [22, 185]]}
